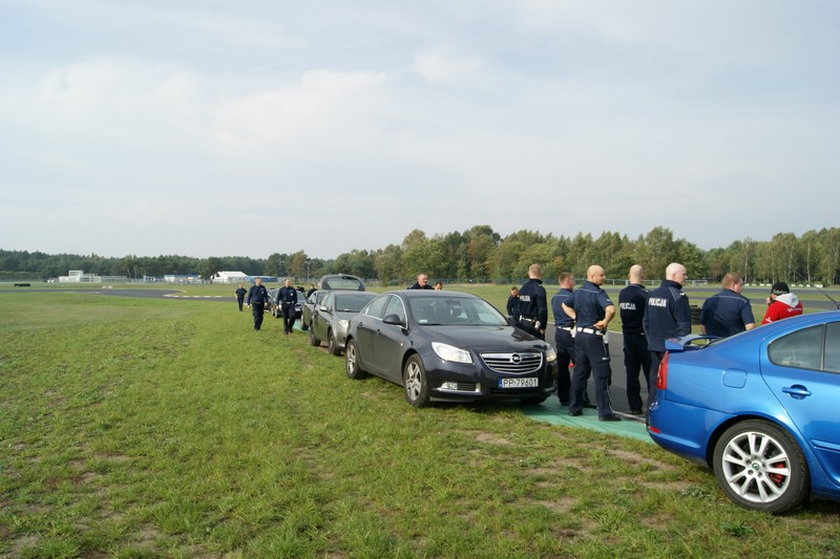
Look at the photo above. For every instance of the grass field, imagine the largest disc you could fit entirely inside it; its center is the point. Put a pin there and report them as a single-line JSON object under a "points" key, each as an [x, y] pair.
{"points": [[136, 428]]}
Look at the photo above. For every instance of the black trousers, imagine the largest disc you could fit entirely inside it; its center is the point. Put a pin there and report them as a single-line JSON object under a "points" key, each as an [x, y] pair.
{"points": [[239, 302], [636, 360], [258, 309], [565, 345], [288, 311], [591, 356]]}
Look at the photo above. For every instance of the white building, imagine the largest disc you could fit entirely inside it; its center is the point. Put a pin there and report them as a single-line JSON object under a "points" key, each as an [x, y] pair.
{"points": [[79, 276], [231, 277], [178, 278]]}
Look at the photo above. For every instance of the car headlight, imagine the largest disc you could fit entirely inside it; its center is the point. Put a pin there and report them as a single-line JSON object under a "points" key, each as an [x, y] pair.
{"points": [[451, 353], [550, 355]]}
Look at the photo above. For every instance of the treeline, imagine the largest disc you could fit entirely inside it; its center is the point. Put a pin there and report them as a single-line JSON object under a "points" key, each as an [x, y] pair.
{"points": [[482, 255], [23, 264]]}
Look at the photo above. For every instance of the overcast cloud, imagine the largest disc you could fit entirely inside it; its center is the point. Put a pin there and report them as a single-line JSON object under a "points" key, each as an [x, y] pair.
{"points": [[246, 128]]}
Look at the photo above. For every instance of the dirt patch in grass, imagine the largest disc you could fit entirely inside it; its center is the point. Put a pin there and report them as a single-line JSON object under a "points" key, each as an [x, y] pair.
{"points": [[564, 505], [636, 458], [492, 438], [17, 545], [674, 486]]}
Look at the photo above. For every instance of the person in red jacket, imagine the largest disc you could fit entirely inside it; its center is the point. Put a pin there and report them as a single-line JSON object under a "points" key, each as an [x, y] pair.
{"points": [[782, 304]]}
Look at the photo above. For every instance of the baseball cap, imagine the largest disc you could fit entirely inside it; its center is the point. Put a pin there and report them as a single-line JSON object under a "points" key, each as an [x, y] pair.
{"points": [[780, 288]]}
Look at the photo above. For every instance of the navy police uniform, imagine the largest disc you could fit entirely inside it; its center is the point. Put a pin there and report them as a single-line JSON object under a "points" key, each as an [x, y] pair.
{"points": [[533, 308], [240, 296], [286, 300], [726, 313], [564, 341], [668, 315], [513, 306], [591, 354], [632, 302], [257, 298]]}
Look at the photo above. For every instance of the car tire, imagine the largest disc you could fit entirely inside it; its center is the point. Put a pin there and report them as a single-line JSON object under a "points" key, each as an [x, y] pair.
{"points": [[313, 340], [760, 467], [352, 367], [332, 343], [415, 384]]}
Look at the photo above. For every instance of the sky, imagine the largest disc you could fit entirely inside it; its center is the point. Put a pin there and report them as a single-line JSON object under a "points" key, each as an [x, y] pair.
{"points": [[209, 128]]}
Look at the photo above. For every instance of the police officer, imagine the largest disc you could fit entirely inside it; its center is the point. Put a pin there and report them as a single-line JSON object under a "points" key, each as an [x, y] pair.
{"points": [[257, 298], [533, 305], [286, 301], [632, 302], [592, 310], [564, 341], [513, 303], [728, 312], [668, 315], [240, 296]]}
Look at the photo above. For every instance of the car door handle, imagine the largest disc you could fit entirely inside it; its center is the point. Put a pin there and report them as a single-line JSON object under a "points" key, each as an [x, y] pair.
{"points": [[797, 391]]}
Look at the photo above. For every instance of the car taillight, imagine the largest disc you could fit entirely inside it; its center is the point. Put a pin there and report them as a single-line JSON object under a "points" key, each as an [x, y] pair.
{"points": [[662, 374]]}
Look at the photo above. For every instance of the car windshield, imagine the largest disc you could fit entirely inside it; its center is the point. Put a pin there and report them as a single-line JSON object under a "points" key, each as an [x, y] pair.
{"points": [[352, 302], [448, 311]]}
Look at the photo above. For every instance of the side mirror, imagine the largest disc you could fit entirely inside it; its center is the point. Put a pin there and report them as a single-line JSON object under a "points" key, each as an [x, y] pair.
{"points": [[393, 319]]}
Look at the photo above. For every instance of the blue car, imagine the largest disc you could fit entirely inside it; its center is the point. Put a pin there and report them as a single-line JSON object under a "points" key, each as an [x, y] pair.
{"points": [[761, 408]]}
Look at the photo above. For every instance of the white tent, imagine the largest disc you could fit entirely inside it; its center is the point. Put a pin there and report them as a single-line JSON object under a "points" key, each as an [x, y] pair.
{"points": [[230, 277]]}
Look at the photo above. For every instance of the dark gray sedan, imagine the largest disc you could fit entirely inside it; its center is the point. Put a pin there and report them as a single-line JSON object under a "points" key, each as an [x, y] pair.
{"points": [[309, 306], [448, 346]]}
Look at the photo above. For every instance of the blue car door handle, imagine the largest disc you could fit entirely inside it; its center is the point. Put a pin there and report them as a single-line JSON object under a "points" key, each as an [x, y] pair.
{"points": [[797, 391]]}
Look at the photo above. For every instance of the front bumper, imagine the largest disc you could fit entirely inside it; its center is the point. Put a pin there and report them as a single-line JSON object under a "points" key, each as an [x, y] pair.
{"points": [[461, 382]]}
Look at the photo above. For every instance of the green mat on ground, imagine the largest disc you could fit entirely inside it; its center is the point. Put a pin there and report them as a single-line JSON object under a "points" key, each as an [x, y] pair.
{"points": [[552, 412]]}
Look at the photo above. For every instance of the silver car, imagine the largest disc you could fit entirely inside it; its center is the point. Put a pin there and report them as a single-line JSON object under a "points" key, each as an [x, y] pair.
{"points": [[331, 317]]}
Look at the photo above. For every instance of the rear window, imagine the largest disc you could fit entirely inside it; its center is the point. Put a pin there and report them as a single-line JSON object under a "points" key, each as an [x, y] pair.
{"points": [[351, 283], [802, 349], [832, 347]]}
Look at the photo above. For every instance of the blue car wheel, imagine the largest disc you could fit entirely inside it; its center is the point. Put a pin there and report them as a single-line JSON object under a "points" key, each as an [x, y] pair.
{"points": [[761, 467]]}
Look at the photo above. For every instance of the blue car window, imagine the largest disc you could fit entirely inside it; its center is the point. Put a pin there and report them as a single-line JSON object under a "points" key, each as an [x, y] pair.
{"points": [[832, 347], [801, 349]]}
